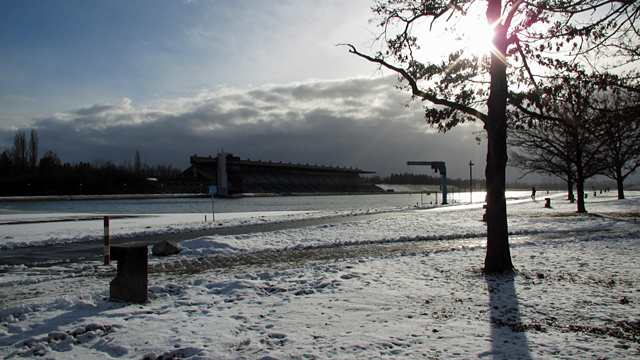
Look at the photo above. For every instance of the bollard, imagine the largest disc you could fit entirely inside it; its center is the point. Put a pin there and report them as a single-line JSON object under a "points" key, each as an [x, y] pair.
{"points": [[107, 243], [131, 281], [547, 202]]}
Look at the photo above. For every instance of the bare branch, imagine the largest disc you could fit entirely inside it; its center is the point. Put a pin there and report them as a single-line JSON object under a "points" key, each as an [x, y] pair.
{"points": [[526, 63], [415, 89]]}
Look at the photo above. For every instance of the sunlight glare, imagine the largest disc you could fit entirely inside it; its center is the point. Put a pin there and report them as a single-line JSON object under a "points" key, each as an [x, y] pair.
{"points": [[478, 39]]}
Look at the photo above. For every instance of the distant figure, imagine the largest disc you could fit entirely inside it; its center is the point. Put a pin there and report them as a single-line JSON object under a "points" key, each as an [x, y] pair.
{"points": [[533, 193]]}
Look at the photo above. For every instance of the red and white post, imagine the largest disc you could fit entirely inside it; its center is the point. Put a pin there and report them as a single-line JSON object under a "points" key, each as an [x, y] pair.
{"points": [[107, 245]]}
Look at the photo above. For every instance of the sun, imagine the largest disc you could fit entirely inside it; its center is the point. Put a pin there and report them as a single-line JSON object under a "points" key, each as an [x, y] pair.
{"points": [[478, 38], [472, 32], [469, 32]]}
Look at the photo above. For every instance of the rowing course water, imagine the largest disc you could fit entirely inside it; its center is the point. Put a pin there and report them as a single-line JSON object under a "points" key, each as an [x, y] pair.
{"points": [[247, 204]]}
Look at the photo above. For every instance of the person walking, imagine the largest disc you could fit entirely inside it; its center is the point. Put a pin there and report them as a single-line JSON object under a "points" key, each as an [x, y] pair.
{"points": [[533, 193]]}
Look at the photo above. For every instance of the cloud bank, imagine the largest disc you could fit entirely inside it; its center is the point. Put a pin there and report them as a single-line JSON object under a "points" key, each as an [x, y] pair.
{"points": [[355, 122]]}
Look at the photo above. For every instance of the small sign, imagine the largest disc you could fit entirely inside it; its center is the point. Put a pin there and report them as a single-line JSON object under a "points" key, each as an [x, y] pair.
{"points": [[213, 190]]}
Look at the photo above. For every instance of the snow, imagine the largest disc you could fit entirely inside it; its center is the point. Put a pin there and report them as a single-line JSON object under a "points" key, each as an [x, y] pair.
{"points": [[21, 230], [575, 294]]}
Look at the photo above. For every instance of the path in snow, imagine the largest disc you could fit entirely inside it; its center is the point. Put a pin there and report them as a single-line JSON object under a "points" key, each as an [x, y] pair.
{"points": [[332, 252], [55, 254], [342, 252]]}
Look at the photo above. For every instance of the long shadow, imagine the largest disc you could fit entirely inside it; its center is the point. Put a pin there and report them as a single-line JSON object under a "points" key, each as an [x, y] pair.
{"points": [[76, 313], [508, 338]]}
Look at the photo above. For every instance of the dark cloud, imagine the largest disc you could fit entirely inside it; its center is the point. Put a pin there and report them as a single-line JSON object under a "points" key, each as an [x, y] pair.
{"points": [[94, 110], [352, 122]]}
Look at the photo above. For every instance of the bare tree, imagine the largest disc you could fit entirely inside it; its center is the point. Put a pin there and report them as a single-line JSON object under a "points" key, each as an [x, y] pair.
{"points": [[468, 88], [50, 162], [126, 165], [32, 153], [621, 138], [138, 163], [533, 150], [19, 150], [569, 136]]}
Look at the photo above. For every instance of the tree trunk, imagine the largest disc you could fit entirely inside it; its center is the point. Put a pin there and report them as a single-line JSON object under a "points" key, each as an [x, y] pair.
{"points": [[570, 196], [498, 257], [580, 189], [619, 182]]}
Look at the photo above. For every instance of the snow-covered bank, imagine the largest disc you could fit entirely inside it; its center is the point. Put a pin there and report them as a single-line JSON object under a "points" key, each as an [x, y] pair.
{"points": [[576, 294], [21, 230]]}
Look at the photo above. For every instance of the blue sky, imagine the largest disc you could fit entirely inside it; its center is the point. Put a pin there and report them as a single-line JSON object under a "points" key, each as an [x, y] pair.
{"points": [[67, 54], [264, 80]]}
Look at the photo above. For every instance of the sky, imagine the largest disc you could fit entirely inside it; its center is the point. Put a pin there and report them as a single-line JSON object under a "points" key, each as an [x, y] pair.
{"points": [[262, 80]]}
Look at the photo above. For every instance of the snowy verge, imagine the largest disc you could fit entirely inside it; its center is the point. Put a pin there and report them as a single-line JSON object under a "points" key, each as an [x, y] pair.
{"points": [[20, 230]]}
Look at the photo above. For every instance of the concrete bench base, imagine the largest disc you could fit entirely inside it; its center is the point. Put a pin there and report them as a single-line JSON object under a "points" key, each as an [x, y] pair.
{"points": [[131, 282]]}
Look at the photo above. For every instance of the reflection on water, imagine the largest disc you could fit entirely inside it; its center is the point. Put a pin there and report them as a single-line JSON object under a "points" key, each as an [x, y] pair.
{"points": [[248, 204]]}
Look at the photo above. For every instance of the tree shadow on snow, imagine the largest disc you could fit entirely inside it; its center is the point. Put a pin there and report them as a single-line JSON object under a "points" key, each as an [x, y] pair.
{"points": [[71, 327], [508, 338]]}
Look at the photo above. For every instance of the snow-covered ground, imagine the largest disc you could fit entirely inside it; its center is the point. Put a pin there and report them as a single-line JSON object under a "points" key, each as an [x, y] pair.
{"points": [[22, 230], [575, 294]]}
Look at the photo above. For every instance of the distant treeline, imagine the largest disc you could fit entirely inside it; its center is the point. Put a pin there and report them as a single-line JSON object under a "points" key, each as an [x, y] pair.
{"points": [[421, 179], [24, 173]]}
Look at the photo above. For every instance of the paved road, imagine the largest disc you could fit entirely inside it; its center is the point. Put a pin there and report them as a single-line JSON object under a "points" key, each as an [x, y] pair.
{"points": [[48, 255]]}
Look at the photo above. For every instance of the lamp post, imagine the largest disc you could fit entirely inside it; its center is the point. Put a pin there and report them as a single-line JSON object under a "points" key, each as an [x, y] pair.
{"points": [[471, 182]]}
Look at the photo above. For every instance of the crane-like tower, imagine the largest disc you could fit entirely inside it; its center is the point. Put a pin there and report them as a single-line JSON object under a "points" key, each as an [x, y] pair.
{"points": [[437, 166]]}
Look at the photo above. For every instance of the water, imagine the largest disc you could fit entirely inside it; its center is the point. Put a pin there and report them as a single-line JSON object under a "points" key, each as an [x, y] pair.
{"points": [[248, 204]]}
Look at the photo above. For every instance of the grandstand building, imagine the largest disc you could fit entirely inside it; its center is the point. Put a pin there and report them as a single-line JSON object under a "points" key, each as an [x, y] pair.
{"points": [[232, 175]]}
